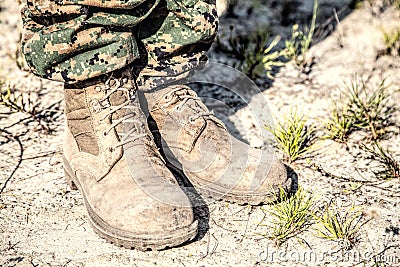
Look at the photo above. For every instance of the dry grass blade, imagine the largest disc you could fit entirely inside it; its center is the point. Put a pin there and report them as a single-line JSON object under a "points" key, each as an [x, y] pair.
{"points": [[389, 167], [20, 102]]}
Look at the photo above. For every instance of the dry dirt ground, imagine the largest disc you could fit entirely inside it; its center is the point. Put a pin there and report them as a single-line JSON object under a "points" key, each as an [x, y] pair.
{"points": [[43, 222]]}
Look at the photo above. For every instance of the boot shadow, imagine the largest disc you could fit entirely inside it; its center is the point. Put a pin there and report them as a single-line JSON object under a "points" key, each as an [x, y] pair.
{"points": [[295, 180]]}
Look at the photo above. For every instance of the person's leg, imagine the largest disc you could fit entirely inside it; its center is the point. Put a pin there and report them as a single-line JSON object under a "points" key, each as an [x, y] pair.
{"points": [[157, 38], [71, 43], [109, 155], [192, 138]]}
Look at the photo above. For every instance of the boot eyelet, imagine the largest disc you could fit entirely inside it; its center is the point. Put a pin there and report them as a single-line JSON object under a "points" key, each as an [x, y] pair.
{"points": [[192, 119], [105, 133], [169, 97]]}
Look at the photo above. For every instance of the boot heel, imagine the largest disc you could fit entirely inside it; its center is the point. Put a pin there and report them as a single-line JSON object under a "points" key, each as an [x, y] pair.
{"points": [[68, 176]]}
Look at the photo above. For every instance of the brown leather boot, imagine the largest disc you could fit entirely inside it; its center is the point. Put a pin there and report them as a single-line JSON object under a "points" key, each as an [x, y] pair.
{"points": [[216, 163], [132, 199]]}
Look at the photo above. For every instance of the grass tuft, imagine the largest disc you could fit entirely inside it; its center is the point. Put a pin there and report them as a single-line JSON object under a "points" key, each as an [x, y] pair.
{"points": [[340, 125], [294, 137], [343, 228], [271, 58], [361, 111], [389, 167], [391, 39], [292, 216], [299, 43], [251, 50]]}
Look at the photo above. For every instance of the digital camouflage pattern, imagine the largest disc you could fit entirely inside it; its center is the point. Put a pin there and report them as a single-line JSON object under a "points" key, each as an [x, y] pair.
{"points": [[75, 40]]}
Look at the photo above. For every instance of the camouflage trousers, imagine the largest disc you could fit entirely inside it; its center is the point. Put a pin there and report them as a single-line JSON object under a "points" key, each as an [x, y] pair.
{"points": [[76, 40]]}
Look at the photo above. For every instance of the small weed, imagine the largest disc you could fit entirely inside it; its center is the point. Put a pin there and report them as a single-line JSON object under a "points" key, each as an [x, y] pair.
{"points": [[270, 59], [392, 43], [361, 111], [294, 137], [344, 228], [299, 43], [387, 3], [340, 125], [292, 216], [356, 4], [18, 102], [389, 167], [249, 50]]}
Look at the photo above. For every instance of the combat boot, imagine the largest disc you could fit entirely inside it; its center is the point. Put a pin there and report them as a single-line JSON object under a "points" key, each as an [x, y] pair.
{"points": [[132, 198], [220, 166]]}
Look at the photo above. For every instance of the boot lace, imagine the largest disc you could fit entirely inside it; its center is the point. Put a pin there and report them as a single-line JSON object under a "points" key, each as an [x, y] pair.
{"points": [[200, 109], [136, 132]]}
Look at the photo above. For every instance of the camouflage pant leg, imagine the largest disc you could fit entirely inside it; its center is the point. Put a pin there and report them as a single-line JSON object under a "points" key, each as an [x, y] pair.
{"points": [[75, 40]]}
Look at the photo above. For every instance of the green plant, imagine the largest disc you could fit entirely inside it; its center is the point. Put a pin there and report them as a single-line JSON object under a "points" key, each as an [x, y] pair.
{"points": [[270, 59], [356, 4], [391, 40], [16, 102], [340, 125], [299, 43], [389, 167], [389, 3], [292, 216], [361, 111], [294, 137], [344, 228], [248, 49]]}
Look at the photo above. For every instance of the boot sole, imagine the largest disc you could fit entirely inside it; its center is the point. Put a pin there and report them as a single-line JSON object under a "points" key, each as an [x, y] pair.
{"points": [[218, 193], [130, 240]]}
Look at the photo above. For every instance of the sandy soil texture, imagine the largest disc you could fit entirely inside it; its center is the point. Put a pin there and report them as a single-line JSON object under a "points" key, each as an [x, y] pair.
{"points": [[43, 222]]}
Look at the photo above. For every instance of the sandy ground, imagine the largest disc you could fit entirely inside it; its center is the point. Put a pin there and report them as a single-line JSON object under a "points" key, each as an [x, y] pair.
{"points": [[43, 222]]}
